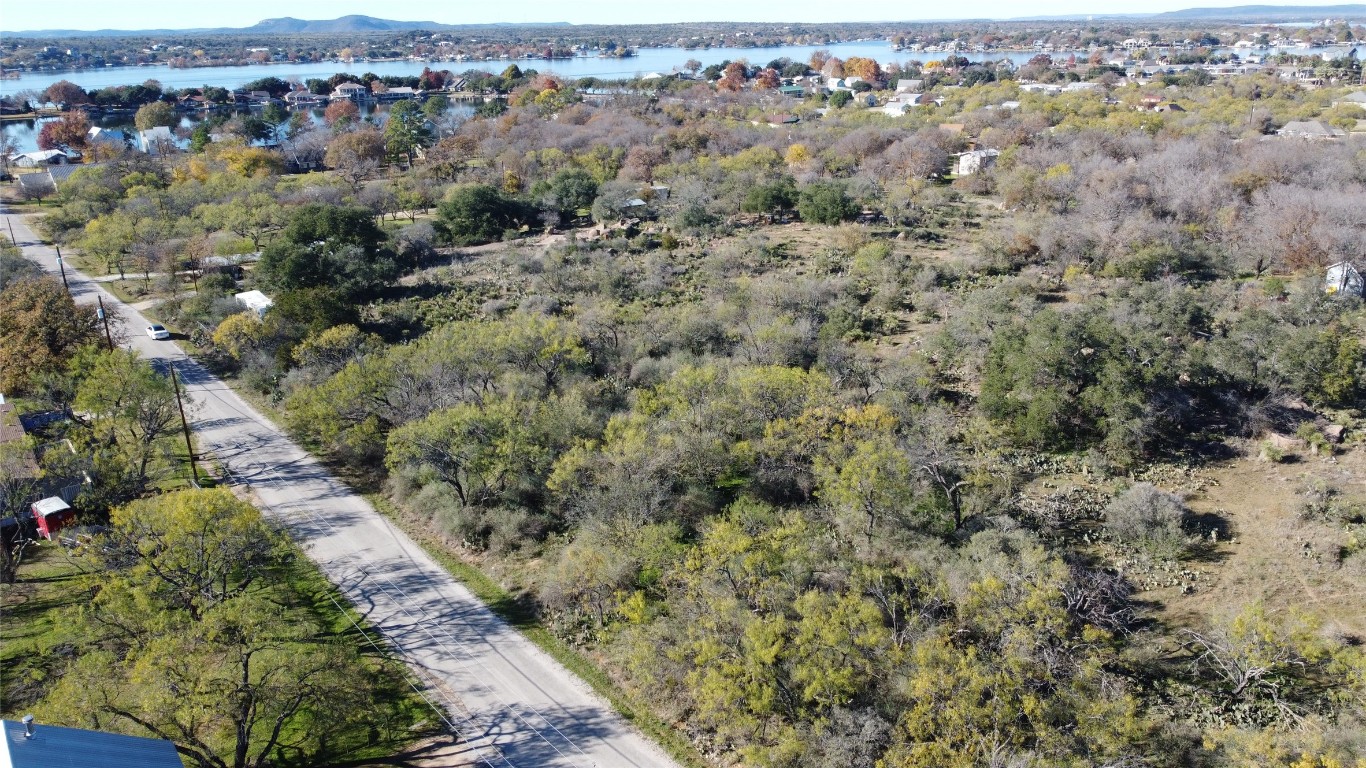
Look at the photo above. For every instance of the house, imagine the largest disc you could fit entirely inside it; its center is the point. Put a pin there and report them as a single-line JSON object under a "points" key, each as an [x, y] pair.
{"points": [[969, 163], [902, 102], [58, 174], [1344, 278], [157, 141], [794, 91], [37, 185], [1354, 99], [108, 136], [353, 91], [1310, 129], [254, 301], [26, 745], [302, 96], [40, 159]]}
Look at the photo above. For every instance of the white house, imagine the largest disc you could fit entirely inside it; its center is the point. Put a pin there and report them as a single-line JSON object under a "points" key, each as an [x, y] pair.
{"points": [[157, 141], [40, 159], [352, 91], [976, 160], [900, 103], [254, 301], [1343, 277]]}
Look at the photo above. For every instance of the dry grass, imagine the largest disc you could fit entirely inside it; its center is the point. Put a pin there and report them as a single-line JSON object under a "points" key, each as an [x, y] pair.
{"points": [[1273, 554]]}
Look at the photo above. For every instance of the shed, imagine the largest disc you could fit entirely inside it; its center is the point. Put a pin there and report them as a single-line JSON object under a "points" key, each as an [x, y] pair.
{"points": [[51, 515], [29, 745], [1344, 278], [255, 301]]}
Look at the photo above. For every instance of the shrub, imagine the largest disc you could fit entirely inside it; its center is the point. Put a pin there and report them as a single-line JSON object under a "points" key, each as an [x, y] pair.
{"points": [[1150, 519]]}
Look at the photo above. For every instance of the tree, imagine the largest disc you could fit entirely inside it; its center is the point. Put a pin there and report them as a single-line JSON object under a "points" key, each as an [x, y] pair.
{"points": [[68, 132], [134, 405], [20, 485], [406, 132], [435, 107], [341, 113], [64, 94], [478, 213], [839, 99], [733, 78], [776, 198], [768, 78], [355, 155], [40, 329], [825, 202], [570, 191], [330, 246], [192, 549], [191, 636], [157, 113]]}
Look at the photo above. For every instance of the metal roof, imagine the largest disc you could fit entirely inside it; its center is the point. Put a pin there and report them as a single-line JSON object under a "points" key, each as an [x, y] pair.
{"points": [[53, 746], [50, 505]]}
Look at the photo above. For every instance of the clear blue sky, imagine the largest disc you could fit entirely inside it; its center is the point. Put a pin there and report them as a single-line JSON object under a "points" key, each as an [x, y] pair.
{"points": [[18, 15]]}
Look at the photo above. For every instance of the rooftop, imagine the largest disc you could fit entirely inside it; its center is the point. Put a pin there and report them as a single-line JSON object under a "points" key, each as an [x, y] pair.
{"points": [[53, 746]]}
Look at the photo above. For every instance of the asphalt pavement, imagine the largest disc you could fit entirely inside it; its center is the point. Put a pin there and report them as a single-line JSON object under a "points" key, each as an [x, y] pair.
{"points": [[512, 703]]}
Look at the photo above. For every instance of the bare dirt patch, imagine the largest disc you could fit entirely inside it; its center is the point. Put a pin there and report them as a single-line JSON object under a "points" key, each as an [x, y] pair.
{"points": [[1271, 553]]}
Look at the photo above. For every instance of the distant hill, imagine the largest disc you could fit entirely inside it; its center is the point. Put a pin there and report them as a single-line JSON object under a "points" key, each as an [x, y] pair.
{"points": [[354, 24], [360, 25], [1269, 13]]}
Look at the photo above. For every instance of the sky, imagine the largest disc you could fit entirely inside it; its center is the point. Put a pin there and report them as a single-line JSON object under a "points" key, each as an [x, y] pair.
{"points": [[20, 15]]}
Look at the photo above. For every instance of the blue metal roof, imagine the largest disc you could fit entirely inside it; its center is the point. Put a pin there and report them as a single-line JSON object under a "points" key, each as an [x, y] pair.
{"points": [[53, 746]]}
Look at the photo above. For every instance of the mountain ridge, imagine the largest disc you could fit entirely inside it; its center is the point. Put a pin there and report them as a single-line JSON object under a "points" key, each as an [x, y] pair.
{"points": [[361, 24]]}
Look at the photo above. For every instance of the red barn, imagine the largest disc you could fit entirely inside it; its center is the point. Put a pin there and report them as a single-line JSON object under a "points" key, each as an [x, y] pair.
{"points": [[51, 515]]}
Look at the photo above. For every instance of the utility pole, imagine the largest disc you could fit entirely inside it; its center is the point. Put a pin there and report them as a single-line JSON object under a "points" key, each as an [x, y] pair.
{"points": [[105, 319], [62, 267], [12, 239], [185, 425]]}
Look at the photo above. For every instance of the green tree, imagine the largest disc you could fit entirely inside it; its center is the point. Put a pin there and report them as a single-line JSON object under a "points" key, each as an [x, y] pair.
{"points": [[134, 406], [778, 197], [157, 113], [478, 213], [825, 202], [192, 549], [193, 637], [330, 246], [570, 191], [406, 132]]}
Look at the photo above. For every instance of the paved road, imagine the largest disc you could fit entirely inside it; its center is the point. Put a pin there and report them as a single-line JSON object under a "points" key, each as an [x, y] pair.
{"points": [[514, 704]]}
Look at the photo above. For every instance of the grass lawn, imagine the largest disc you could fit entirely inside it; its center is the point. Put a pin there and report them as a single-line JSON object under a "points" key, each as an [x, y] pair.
{"points": [[36, 642]]}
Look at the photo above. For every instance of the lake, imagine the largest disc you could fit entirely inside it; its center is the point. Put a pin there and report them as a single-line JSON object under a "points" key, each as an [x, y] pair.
{"points": [[663, 60]]}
